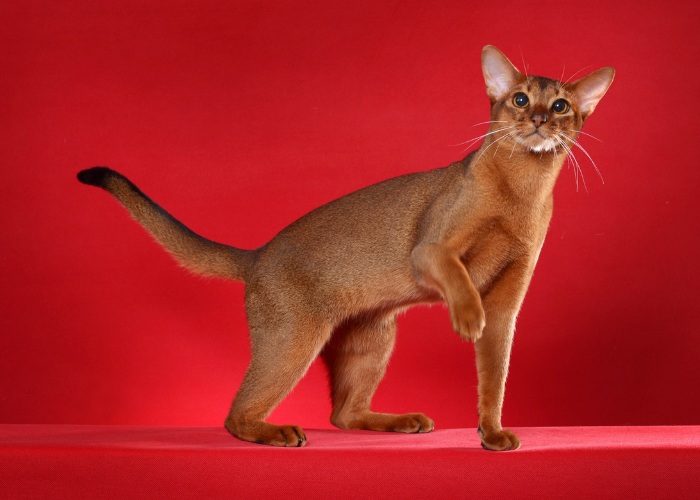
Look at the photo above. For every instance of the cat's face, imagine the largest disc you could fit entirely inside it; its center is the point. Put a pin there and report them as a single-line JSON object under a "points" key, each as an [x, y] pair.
{"points": [[536, 113]]}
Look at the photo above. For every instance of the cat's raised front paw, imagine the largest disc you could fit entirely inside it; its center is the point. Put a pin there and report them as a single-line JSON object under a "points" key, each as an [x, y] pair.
{"points": [[468, 322]]}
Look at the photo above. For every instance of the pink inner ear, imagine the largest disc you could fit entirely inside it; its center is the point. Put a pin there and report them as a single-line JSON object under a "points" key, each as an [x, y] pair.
{"points": [[499, 73], [591, 89]]}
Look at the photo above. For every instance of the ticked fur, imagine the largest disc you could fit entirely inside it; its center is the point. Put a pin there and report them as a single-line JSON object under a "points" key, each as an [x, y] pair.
{"points": [[332, 282]]}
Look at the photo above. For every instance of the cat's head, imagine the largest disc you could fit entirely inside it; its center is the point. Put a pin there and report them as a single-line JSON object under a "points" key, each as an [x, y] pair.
{"points": [[538, 113]]}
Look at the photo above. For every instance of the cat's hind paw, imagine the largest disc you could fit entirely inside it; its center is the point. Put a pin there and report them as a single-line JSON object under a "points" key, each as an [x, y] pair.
{"points": [[264, 433], [409, 423]]}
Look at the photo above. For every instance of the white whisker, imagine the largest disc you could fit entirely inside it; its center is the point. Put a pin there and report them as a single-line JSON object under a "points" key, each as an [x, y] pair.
{"points": [[472, 141], [494, 142], [584, 133], [508, 134], [561, 79], [576, 165], [490, 121], [524, 65], [576, 143], [512, 149], [572, 76]]}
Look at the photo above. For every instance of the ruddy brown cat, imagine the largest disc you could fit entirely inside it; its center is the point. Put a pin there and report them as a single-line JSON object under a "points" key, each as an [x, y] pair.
{"points": [[332, 282]]}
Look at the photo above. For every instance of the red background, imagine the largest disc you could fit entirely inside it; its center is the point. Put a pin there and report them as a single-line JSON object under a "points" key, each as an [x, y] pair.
{"points": [[239, 117]]}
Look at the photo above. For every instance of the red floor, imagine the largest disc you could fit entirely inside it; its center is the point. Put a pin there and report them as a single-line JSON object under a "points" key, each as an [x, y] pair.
{"points": [[41, 461]]}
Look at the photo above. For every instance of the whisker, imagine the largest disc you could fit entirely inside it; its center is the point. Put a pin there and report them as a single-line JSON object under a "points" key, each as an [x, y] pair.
{"points": [[571, 159], [509, 133], [490, 121], [577, 166], [524, 65], [494, 142], [576, 143], [584, 133], [512, 150], [568, 158], [561, 79], [471, 141], [572, 76]]}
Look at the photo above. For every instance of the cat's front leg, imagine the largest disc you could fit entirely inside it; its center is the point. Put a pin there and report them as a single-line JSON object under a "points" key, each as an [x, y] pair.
{"points": [[439, 268], [501, 304]]}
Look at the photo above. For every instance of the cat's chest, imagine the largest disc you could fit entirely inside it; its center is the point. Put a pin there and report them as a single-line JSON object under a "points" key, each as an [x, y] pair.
{"points": [[496, 245]]}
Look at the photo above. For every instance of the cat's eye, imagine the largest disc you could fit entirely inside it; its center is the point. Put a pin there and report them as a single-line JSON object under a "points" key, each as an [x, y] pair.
{"points": [[560, 106], [520, 100]]}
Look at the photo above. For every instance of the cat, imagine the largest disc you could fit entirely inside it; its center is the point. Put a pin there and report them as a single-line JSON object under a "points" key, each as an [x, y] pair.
{"points": [[332, 282]]}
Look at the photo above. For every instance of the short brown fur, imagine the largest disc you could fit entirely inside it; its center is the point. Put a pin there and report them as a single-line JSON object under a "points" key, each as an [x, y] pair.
{"points": [[332, 282]]}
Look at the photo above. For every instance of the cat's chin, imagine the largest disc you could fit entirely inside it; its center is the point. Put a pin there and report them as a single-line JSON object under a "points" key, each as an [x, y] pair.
{"points": [[546, 146], [537, 143]]}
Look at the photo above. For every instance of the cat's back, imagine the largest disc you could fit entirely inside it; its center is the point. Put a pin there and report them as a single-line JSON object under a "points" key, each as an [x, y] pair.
{"points": [[374, 228], [379, 214]]}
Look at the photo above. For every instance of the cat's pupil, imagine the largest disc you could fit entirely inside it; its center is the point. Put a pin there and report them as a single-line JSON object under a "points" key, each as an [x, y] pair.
{"points": [[520, 100]]}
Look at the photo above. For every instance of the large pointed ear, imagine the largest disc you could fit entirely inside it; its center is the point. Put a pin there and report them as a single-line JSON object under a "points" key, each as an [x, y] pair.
{"points": [[499, 73], [591, 89]]}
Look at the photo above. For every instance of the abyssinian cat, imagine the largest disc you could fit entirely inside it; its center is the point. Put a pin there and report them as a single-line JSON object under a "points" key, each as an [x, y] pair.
{"points": [[332, 282]]}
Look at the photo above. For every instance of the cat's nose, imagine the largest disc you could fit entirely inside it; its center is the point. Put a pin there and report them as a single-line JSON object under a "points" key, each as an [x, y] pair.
{"points": [[539, 118]]}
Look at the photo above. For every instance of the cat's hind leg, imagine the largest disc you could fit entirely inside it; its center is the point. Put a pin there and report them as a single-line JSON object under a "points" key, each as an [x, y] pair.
{"points": [[357, 356], [281, 354]]}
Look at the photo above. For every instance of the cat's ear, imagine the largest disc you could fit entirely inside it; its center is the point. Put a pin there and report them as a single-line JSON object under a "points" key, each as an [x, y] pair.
{"points": [[591, 89], [499, 73]]}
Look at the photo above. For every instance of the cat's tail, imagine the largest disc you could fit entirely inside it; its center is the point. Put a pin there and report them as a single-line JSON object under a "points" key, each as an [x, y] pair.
{"points": [[192, 251]]}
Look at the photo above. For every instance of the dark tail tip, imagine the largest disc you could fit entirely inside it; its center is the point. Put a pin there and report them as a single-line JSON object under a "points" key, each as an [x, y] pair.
{"points": [[95, 176]]}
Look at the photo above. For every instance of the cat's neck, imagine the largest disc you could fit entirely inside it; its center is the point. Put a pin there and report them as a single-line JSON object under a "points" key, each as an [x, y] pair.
{"points": [[526, 177]]}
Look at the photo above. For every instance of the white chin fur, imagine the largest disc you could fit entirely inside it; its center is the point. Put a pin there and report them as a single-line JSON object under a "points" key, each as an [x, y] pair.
{"points": [[544, 146]]}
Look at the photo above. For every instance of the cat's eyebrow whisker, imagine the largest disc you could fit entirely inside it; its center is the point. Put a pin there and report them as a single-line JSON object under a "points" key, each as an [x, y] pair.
{"points": [[524, 64], [572, 76], [561, 79], [576, 143]]}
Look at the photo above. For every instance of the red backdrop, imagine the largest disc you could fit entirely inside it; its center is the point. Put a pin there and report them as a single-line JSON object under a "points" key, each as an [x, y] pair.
{"points": [[239, 117]]}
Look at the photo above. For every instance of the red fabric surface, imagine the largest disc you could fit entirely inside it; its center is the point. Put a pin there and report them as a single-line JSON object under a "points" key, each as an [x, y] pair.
{"points": [[40, 461], [239, 116]]}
